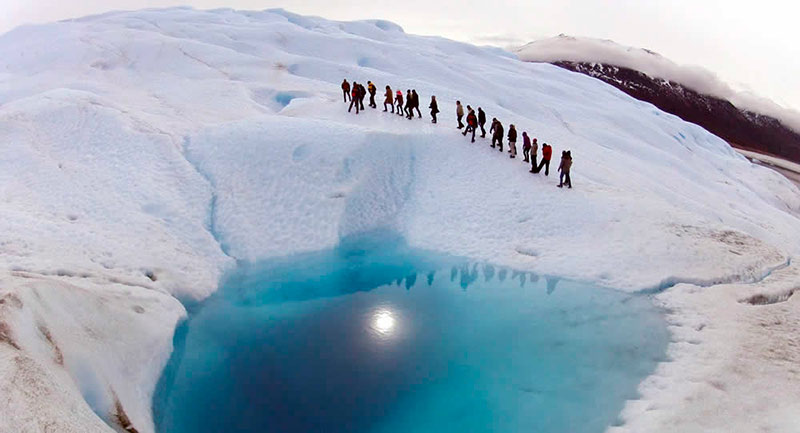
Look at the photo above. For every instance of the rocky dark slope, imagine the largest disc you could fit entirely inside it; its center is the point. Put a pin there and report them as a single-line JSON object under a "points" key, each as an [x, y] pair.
{"points": [[741, 128]]}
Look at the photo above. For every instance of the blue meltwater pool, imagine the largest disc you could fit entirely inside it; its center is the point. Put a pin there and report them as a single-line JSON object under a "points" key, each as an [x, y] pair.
{"points": [[374, 336]]}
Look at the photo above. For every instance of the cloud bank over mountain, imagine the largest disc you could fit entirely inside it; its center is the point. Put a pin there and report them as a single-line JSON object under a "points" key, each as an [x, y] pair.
{"points": [[590, 50]]}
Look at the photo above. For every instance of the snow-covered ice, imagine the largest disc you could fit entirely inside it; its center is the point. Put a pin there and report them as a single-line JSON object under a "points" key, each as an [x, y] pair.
{"points": [[143, 153]]}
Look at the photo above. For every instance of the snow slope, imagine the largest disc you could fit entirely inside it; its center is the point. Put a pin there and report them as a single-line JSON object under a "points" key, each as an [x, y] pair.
{"points": [[590, 50], [144, 152]]}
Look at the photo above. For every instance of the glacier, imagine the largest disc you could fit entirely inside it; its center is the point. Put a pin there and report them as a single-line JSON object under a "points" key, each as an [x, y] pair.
{"points": [[146, 153]]}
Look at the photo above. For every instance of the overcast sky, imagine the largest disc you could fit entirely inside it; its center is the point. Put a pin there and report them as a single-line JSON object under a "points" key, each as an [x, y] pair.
{"points": [[750, 44]]}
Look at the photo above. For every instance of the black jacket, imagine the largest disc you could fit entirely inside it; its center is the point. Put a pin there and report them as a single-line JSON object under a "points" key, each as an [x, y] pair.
{"points": [[434, 107], [512, 135], [481, 117]]}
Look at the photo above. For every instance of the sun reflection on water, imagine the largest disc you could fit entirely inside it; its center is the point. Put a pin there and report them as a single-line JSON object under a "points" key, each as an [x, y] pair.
{"points": [[383, 322]]}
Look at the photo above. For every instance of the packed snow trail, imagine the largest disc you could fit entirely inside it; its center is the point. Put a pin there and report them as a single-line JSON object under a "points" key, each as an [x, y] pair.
{"points": [[121, 132]]}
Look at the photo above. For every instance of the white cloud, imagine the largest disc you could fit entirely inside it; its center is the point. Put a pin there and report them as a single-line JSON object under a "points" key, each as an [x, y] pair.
{"points": [[574, 49]]}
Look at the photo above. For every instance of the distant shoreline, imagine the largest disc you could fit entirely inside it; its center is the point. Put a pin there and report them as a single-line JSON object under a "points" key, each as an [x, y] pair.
{"points": [[789, 169]]}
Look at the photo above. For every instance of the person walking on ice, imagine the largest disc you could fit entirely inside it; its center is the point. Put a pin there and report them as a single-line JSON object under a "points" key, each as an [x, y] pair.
{"points": [[459, 114], [547, 152], [409, 102], [534, 151], [372, 91], [564, 167], [354, 98], [434, 109], [512, 141], [362, 93], [388, 99], [345, 89], [497, 137], [482, 121], [415, 103], [472, 123], [526, 147], [398, 99]]}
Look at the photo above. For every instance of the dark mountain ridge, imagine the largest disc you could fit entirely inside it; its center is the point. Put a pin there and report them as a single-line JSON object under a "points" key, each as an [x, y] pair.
{"points": [[741, 128]]}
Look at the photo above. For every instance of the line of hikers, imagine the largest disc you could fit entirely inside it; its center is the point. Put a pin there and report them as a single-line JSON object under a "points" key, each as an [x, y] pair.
{"points": [[358, 92], [530, 148]]}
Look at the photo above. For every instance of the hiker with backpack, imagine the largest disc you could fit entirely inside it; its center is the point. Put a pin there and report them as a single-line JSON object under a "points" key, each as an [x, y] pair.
{"points": [[434, 109], [564, 168]]}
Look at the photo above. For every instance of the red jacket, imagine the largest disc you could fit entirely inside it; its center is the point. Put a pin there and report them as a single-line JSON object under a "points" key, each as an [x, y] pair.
{"points": [[472, 119], [547, 152]]}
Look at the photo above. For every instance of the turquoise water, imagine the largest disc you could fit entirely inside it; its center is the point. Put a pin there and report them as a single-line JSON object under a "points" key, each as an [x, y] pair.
{"points": [[376, 337]]}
